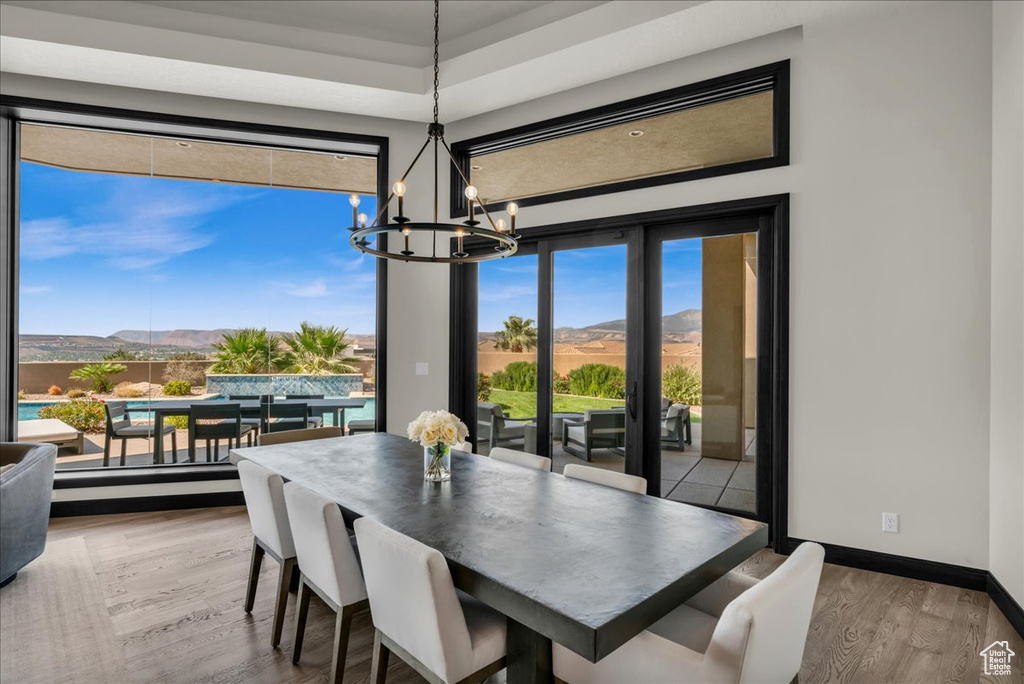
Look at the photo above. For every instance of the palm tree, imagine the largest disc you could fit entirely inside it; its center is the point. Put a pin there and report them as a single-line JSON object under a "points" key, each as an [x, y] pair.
{"points": [[248, 351], [519, 335], [318, 350]]}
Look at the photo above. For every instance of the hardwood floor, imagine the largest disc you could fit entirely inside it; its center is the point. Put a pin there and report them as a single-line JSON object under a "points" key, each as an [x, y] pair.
{"points": [[174, 584]]}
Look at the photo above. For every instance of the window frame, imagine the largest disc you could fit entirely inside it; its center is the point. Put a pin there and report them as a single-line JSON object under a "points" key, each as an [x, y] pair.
{"points": [[18, 110], [774, 77]]}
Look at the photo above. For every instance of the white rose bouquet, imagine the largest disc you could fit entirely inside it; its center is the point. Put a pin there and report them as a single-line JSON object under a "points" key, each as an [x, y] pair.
{"points": [[437, 432]]}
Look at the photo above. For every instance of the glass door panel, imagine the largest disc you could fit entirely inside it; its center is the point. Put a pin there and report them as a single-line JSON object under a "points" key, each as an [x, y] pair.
{"points": [[588, 416], [507, 355], [709, 371]]}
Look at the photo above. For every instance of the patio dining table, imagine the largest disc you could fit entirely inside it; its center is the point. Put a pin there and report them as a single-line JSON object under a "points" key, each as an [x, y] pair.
{"points": [[250, 409]]}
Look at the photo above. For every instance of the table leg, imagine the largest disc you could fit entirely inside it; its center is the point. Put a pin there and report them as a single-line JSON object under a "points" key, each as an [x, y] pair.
{"points": [[158, 437], [529, 656], [339, 416]]}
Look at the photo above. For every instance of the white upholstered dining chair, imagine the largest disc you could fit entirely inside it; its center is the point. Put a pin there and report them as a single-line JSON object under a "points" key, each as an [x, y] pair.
{"points": [[520, 458], [303, 435], [444, 634], [738, 630], [464, 446], [608, 478], [272, 535], [329, 568]]}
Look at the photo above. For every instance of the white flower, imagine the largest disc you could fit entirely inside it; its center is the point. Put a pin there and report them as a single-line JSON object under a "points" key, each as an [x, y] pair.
{"points": [[434, 427]]}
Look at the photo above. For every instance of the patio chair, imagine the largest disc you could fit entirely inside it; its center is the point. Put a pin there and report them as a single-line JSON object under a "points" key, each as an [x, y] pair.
{"points": [[599, 429], [497, 429], [362, 425], [281, 416], [215, 422], [316, 419], [251, 421], [119, 426], [675, 426]]}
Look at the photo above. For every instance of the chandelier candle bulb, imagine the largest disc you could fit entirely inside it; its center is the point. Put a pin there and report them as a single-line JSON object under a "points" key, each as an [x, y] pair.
{"points": [[353, 199], [512, 209], [361, 220], [399, 189], [500, 225]]}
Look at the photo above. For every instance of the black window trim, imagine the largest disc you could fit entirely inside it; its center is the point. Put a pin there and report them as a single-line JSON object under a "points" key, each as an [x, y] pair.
{"points": [[773, 76], [15, 110]]}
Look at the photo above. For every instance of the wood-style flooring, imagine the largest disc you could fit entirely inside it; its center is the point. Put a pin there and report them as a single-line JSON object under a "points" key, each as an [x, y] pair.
{"points": [[173, 584]]}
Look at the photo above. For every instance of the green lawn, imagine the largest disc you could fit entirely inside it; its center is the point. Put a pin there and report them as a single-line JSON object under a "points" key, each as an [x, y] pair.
{"points": [[524, 404]]}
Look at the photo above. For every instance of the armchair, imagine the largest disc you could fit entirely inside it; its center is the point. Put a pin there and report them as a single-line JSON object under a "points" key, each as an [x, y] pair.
{"points": [[675, 426], [497, 429], [599, 429], [26, 488]]}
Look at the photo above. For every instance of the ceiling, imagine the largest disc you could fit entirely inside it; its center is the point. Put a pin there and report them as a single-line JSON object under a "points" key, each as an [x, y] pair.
{"points": [[374, 57]]}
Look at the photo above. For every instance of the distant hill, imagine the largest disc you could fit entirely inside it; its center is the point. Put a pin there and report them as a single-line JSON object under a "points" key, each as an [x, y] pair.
{"points": [[682, 322], [174, 338], [684, 326]]}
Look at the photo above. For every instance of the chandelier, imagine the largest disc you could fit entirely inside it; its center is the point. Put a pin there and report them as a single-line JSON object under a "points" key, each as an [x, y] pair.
{"points": [[501, 233]]}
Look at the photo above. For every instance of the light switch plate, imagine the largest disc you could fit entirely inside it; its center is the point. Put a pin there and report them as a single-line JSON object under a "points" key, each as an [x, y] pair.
{"points": [[421, 368]]}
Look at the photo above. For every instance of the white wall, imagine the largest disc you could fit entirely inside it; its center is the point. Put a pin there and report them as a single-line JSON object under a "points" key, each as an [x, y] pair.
{"points": [[1006, 476], [890, 264], [418, 294]]}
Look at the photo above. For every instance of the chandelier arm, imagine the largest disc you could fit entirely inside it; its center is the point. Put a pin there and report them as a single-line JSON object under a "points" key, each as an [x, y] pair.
{"points": [[391, 196], [437, 45], [466, 181]]}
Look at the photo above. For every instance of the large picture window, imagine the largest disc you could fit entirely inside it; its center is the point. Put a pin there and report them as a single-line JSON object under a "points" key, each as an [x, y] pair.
{"points": [[161, 268], [731, 124]]}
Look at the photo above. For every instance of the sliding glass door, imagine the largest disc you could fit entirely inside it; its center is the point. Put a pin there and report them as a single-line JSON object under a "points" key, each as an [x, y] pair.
{"points": [[656, 348]]}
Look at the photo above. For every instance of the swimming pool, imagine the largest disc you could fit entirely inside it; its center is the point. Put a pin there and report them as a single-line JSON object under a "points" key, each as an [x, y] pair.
{"points": [[29, 410]]}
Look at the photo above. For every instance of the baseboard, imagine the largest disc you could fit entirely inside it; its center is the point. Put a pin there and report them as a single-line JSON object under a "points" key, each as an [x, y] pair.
{"points": [[914, 568], [63, 509], [1006, 604]]}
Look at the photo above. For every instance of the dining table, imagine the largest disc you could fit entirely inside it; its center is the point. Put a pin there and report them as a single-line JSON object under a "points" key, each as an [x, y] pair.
{"points": [[565, 560], [162, 408]]}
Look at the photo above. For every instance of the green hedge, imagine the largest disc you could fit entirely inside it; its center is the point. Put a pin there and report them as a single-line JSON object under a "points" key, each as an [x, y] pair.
{"points": [[518, 376], [483, 387], [598, 380], [681, 384], [86, 415], [178, 388]]}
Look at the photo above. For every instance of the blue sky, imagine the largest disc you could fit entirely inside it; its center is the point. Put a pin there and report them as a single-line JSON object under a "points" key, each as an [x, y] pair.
{"points": [[101, 252], [589, 285]]}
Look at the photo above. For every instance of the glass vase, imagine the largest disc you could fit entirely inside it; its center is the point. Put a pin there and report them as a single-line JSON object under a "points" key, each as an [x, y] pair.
{"points": [[437, 463]]}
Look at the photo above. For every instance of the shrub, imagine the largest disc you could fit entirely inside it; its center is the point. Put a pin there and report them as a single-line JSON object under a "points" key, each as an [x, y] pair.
{"points": [[98, 374], [76, 393], [86, 415], [681, 384], [122, 354], [483, 387], [187, 366], [55, 391], [598, 380], [518, 376], [560, 384], [126, 391], [177, 388], [249, 351], [21, 395], [180, 422]]}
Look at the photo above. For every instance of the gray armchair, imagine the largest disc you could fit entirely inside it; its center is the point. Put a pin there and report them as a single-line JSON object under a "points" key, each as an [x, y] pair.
{"points": [[25, 492], [599, 429], [675, 426], [496, 429]]}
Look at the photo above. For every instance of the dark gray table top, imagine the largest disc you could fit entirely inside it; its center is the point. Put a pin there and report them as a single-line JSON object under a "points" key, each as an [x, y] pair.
{"points": [[585, 565], [184, 405]]}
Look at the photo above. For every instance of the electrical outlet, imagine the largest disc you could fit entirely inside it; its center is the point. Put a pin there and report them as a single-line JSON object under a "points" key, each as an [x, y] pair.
{"points": [[891, 523]]}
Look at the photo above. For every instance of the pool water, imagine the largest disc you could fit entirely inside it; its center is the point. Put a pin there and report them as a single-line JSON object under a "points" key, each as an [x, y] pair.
{"points": [[29, 410]]}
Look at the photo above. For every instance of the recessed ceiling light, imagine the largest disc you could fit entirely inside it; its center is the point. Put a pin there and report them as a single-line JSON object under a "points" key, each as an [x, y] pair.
{"points": [[475, 167], [182, 143], [340, 157], [635, 134]]}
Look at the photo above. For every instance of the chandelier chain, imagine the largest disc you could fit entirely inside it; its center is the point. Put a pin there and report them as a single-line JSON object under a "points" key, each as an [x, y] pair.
{"points": [[437, 81]]}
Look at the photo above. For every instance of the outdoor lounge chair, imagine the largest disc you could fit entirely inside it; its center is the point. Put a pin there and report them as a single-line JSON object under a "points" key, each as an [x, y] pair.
{"points": [[362, 425], [599, 429], [675, 426], [214, 423], [119, 426], [494, 427], [51, 431]]}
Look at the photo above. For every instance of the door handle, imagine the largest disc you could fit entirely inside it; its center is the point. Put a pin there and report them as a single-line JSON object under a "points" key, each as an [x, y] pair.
{"points": [[631, 402]]}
